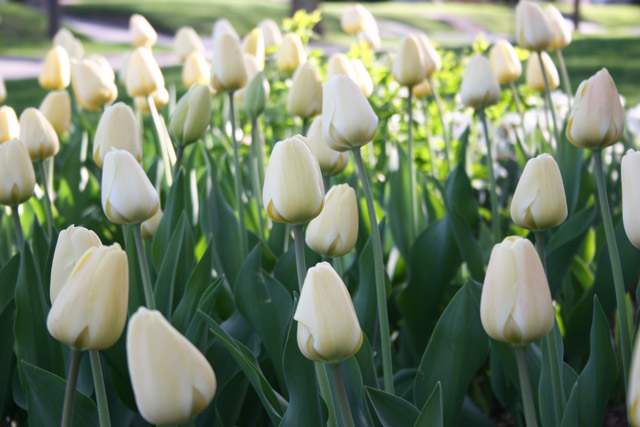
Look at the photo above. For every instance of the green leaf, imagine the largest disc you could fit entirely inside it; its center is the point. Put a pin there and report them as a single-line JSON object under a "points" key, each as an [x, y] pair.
{"points": [[174, 208], [7, 361], [354, 386], [8, 279], [231, 398], [392, 411], [571, 161], [399, 205], [431, 414]]}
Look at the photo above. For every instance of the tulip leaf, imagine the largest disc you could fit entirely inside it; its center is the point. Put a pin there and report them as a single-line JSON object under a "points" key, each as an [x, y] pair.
{"points": [[570, 161], [7, 360], [392, 411], [174, 208], [8, 279], [196, 331], [354, 385], [231, 398], [285, 268], [399, 205], [431, 414]]}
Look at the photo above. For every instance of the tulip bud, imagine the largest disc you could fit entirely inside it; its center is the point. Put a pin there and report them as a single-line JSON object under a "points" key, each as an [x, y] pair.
{"points": [[3, 90], [160, 99], [192, 115], [293, 190], [186, 42], [90, 311], [127, 194], [354, 19], [77, 50], [56, 107], [596, 119], [142, 33], [630, 174], [362, 77], [334, 232], [73, 243], [9, 125], [516, 305], [339, 64], [17, 178], [559, 27], [532, 28], [256, 95], [117, 130], [348, 121], [331, 162], [328, 328], [291, 54], [143, 73], [633, 394], [479, 86], [408, 64], [104, 65], [229, 72], [430, 56], [254, 45], [305, 95], [252, 67], [150, 226], [539, 202], [172, 381], [223, 26], [195, 70], [56, 71], [505, 64], [422, 89], [37, 134], [535, 80], [271, 33], [92, 87], [371, 36], [64, 38]]}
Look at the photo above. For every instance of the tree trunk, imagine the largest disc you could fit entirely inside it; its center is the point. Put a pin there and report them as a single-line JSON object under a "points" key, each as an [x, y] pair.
{"points": [[54, 17], [576, 14], [309, 6]]}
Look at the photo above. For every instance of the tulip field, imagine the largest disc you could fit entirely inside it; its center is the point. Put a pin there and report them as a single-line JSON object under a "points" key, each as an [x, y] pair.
{"points": [[285, 236]]}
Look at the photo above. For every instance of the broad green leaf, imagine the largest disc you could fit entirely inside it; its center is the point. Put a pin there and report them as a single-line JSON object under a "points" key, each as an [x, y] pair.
{"points": [[570, 161], [8, 281], [7, 360], [354, 386], [174, 207], [392, 411], [399, 205], [431, 414], [231, 398]]}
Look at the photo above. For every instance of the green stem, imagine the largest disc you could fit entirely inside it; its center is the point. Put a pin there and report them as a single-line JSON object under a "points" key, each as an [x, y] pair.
{"points": [[301, 264], [179, 154], [525, 388], [101, 394], [326, 180], [447, 137], [305, 126], [432, 156], [618, 279], [413, 213], [164, 151], [495, 219], [518, 104], [547, 90], [144, 267], [255, 172], [47, 198], [565, 76], [17, 226], [381, 290], [341, 394], [70, 390], [325, 392], [262, 157], [237, 175]]}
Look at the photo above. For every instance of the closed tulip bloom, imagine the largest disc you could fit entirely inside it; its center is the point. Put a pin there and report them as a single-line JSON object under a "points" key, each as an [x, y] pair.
{"points": [[293, 190], [117, 130], [271, 33], [422, 89], [371, 36], [253, 44], [559, 27], [160, 99], [630, 174], [90, 311], [172, 381], [305, 95], [479, 86], [192, 115], [331, 162], [328, 328], [186, 42], [93, 88], [339, 64], [596, 119], [37, 134], [195, 70], [532, 28], [633, 394], [64, 38], [535, 79], [56, 107], [505, 64], [430, 56], [354, 19], [144, 76], [17, 178], [291, 54], [334, 232], [256, 95], [150, 226], [127, 194], [348, 121], [223, 26], [77, 50], [362, 77], [3, 90], [228, 70], [9, 125], [252, 67], [142, 33], [516, 305], [408, 65], [73, 243], [56, 71], [104, 65], [539, 202]]}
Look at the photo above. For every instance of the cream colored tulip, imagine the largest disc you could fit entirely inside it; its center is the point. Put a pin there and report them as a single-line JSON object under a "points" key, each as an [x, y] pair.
{"points": [[408, 64], [252, 67], [271, 33], [331, 162], [334, 232], [192, 115], [293, 190], [431, 57], [37, 134], [3, 90], [596, 119], [186, 42], [633, 393], [559, 27], [479, 87], [516, 305], [305, 95], [160, 99], [142, 33], [532, 28], [195, 70], [291, 54], [505, 64], [64, 38], [150, 226], [340, 64], [228, 71], [172, 381], [90, 311], [73, 242], [127, 194], [535, 80], [256, 94], [223, 26], [371, 33], [144, 76], [362, 77], [422, 89], [56, 70], [630, 176], [77, 50], [9, 124], [348, 121], [539, 202], [17, 178], [92, 87], [117, 130], [354, 19], [122, 71], [254, 45], [328, 328], [56, 107]]}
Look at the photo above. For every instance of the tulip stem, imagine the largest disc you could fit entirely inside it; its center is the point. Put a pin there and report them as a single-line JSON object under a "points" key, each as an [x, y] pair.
{"points": [[255, 169], [101, 394], [495, 219], [341, 395], [301, 263], [47, 198], [237, 175], [305, 126], [325, 392], [518, 104], [525, 388], [445, 132], [70, 390], [381, 291], [164, 149], [547, 90], [144, 267], [179, 154], [432, 156], [17, 226], [326, 181], [413, 213], [616, 266], [565, 76]]}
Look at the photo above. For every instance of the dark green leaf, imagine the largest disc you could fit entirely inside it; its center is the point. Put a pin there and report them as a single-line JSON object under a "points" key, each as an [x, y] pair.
{"points": [[431, 414], [392, 411]]}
